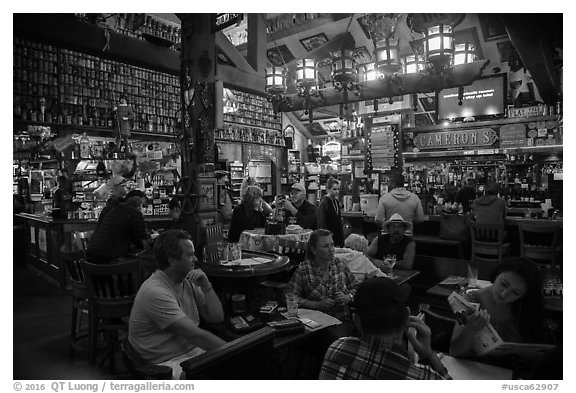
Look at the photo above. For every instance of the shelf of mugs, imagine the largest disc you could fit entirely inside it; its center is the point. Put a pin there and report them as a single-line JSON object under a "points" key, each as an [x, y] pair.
{"points": [[62, 86]]}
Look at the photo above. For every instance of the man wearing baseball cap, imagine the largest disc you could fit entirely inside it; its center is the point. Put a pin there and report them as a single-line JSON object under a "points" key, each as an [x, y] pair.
{"points": [[299, 207], [380, 313]]}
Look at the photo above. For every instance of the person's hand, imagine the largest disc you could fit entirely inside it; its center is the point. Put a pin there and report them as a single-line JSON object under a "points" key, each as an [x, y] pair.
{"points": [[287, 205], [198, 277], [342, 298], [326, 304], [478, 320], [420, 337]]}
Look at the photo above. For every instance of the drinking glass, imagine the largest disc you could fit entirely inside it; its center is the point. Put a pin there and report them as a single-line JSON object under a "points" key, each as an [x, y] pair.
{"points": [[472, 276], [391, 261], [292, 304], [222, 251]]}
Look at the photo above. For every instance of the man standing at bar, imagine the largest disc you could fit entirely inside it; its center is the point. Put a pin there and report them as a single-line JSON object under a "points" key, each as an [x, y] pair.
{"points": [[164, 321], [299, 207], [399, 200]]}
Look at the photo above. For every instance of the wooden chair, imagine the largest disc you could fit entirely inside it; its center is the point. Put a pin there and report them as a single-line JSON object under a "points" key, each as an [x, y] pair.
{"points": [[214, 234], [72, 261], [138, 367], [111, 292], [441, 327], [247, 357], [539, 242], [488, 242]]}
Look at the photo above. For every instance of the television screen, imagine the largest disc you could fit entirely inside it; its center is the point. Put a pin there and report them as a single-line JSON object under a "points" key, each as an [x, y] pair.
{"points": [[484, 97]]}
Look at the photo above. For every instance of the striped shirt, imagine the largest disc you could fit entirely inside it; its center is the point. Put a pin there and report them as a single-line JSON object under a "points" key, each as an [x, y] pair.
{"points": [[371, 358]]}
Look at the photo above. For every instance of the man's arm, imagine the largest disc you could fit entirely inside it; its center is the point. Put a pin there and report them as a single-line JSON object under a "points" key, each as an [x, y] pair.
{"points": [[380, 216], [419, 216], [372, 249], [212, 311], [408, 260], [184, 327]]}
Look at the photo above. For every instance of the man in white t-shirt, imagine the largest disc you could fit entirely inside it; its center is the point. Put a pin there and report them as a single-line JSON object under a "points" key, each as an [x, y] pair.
{"points": [[163, 327]]}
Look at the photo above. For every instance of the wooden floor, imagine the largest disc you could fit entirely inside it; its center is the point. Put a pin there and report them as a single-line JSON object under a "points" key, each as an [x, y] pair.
{"points": [[41, 331]]}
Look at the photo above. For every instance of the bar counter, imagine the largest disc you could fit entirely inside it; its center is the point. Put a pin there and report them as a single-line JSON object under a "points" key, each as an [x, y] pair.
{"points": [[45, 235]]}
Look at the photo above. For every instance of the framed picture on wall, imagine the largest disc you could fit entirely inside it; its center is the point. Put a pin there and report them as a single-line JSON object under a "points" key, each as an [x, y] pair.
{"points": [[279, 55], [314, 42]]}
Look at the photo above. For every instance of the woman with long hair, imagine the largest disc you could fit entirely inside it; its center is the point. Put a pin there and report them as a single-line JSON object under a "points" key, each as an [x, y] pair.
{"points": [[513, 304], [248, 214]]}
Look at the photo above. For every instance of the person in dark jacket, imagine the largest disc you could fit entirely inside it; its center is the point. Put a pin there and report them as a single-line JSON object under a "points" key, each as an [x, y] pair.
{"points": [[121, 231], [248, 214], [299, 207], [329, 215], [489, 208], [465, 195]]}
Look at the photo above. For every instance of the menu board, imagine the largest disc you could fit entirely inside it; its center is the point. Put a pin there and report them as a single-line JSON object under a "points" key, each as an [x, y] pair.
{"points": [[513, 135]]}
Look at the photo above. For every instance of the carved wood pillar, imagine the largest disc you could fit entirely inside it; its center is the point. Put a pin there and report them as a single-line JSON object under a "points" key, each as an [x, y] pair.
{"points": [[198, 68]]}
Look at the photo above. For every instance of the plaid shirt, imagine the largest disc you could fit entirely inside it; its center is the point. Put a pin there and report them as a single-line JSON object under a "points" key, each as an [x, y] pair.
{"points": [[375, 358], [307, 283]]}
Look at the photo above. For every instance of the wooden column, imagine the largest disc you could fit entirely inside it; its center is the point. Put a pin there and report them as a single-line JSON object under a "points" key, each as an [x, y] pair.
{"points": [[198, 67]]}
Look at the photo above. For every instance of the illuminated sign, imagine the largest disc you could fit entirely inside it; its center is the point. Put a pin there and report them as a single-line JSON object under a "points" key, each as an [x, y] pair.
{"points": [[332, 150], [455, 139], [222, 21]]}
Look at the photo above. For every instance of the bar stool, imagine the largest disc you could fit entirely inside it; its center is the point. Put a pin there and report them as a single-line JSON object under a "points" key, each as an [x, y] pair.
{"points": [[539, 242], [72, 261], [488, 242], [111, 292]]}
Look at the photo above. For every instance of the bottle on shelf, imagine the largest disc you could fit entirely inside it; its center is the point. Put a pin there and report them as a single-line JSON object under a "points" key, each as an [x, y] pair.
{"points": [[85, 147]]}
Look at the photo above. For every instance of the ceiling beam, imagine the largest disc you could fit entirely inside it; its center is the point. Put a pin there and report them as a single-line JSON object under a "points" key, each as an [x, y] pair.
{"points": [[302, 27], [232, 53], [533, 47], [462, 75]]}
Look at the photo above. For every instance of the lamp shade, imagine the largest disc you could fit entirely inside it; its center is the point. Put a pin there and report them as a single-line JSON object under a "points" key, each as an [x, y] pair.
{"points": [[438, 42], [412, 64], [387, 59], [464, 53], [343, 65], [306, 72], [276, 80], [367, 72]]}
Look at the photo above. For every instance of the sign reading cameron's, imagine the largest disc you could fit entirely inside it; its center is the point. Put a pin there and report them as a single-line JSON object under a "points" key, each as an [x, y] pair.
{"points": [[455, 139]]}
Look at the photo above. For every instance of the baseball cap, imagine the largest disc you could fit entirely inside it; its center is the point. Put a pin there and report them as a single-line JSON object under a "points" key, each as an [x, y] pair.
{"points": [[377, 293], [298, 186]]}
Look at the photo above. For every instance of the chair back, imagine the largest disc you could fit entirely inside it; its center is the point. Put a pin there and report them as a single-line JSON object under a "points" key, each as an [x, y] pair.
{"points": [[487, 241], [138, 367], [293, 249], [214, 234], [112, 288], [247, 357], [539, 242], [73, 262], [441, 327], [211, 253]]}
